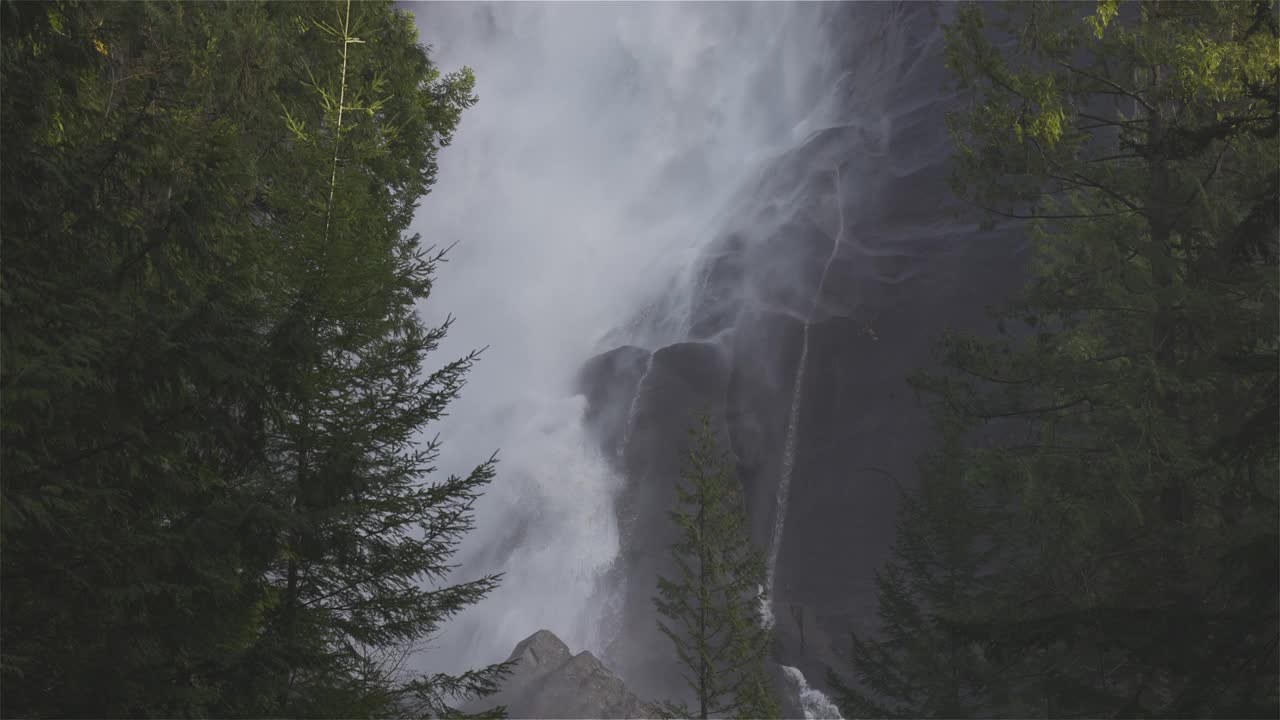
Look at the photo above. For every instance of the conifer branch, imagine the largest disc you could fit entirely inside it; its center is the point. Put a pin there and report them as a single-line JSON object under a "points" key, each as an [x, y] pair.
{"points": [[342, 99]]}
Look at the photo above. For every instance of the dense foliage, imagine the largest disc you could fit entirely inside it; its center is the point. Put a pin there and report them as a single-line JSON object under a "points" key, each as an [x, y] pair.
{"points": [[215, 499], [1097, 535], [712, 606]]}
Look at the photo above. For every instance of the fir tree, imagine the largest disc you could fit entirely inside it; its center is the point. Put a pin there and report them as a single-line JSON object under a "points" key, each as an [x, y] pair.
{"points": [[215, 497], [131, 388], [712, 606], [922, 664], [363, 531], [1119, 521]]}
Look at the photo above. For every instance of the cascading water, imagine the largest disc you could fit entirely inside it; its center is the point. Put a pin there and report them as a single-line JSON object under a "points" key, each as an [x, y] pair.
{"points": [[597, 165], [784, 482], [814, 704], [615, 150], [793, 419], [634, 409]]}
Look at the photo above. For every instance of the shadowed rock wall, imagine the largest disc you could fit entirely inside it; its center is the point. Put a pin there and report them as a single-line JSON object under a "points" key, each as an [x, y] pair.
{"points": [[853, 233]]}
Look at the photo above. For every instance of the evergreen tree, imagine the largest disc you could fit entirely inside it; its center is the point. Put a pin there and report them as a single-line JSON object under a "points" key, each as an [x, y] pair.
{"points": [[712, 606], [922, 664], [362, 529], [131, 391], [1111, 472], [214, 498]]}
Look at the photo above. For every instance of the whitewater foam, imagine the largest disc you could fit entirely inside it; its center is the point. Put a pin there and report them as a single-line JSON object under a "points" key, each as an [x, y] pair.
{"points": [[813, 702]]}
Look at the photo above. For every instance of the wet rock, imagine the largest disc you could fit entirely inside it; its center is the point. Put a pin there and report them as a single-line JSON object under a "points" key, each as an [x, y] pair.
{"points": [[609, 382], [879, 266], [550, 682], [862, 429], [684, 379], [765, 354]]}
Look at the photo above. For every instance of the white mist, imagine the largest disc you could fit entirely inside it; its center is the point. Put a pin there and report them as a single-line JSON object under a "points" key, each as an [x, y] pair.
{"points": [[607, 144]]}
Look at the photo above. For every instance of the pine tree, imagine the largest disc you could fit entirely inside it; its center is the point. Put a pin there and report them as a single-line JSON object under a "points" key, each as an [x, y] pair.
{"points": [[131, 388], [712, 606], [215, 500], [362, 529], [1127, 558], [922, 664]]}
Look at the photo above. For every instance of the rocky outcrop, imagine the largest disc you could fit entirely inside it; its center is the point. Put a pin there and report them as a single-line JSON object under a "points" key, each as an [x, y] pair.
{"points": [[549, 681]]}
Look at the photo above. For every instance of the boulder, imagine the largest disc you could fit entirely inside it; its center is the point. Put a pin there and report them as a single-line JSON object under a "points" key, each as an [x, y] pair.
{"points": [[549, 681]]}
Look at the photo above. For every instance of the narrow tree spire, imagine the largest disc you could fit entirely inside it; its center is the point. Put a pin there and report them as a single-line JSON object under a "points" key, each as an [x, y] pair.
{"points": [[712, 606]]}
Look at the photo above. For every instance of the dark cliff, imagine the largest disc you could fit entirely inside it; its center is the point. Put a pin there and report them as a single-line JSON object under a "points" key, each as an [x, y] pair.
{"points": [[846, 254]]}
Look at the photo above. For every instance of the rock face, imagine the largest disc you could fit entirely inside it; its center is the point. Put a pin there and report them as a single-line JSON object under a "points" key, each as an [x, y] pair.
{"points": [[551, 682], [676, 382], [846, 256]]}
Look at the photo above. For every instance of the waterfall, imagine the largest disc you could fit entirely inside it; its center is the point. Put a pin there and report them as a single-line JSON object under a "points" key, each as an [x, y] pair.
{"points": [[582, 188], [634, 410], [613, 149], [793, 420], [784, 483], [814, 704]]}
